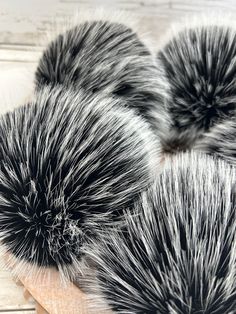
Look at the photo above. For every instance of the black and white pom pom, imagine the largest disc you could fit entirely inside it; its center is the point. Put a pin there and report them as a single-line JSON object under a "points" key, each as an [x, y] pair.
{"points": [[101, 56], [69, 163], [220, 142], [199, 65], [177, 253]]}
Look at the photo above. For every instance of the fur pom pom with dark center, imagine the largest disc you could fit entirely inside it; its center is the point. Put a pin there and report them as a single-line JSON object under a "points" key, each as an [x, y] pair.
{"points": [[199, 64], [68, 164], [177, 253], [102, 56], [220, 142]]}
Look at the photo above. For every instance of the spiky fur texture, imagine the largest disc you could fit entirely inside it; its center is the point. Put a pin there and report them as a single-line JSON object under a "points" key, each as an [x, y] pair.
{"points": [[220, 142], [177, 253], [106, 57], [69, 163], [199, 64]]}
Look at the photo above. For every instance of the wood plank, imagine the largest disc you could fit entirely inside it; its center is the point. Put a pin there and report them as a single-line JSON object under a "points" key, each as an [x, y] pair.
{"points": [[16, 84], [55, 296], [24, 22], [18, 312], [11, 295], [19, 56]]}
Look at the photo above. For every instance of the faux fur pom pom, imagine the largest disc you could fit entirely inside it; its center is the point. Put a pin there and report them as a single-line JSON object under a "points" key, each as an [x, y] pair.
{"points": [[69, 163], [177, 251], [102, 56], [199, 65]]}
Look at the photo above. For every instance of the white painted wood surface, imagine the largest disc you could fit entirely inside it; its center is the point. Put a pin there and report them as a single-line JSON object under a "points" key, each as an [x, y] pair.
{"points": [[23, 24], [11, 295]]}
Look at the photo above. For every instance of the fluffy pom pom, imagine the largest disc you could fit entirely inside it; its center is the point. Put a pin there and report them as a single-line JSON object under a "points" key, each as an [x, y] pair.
{"points": [[69, 163], [177, 253], [220, 142], [199, 64], [104, 57]]}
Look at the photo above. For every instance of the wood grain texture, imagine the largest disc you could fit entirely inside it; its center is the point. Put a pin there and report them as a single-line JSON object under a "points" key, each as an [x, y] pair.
{"points": [[56, 296], [25, 22], [18, 312], [11, 295]]}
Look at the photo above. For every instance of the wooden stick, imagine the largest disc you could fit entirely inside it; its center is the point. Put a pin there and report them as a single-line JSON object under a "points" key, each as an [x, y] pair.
{"points": [[54, 296]]}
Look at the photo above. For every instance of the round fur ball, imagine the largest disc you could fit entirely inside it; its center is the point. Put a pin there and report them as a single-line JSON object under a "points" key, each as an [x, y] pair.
{"points": [[69, 163], [220, 142], [177, 252], [103, 57], [199, 65]]}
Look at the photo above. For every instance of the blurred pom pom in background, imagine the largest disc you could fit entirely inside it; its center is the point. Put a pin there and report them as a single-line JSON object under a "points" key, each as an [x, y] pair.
{"points": [[198, 62], [105, 56]]}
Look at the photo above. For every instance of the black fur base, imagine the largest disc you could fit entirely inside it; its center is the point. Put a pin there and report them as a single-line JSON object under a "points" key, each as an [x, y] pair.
{"points": [[103, 57], [69, 163], [220, 142], [177, 253], [199, 64]]}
